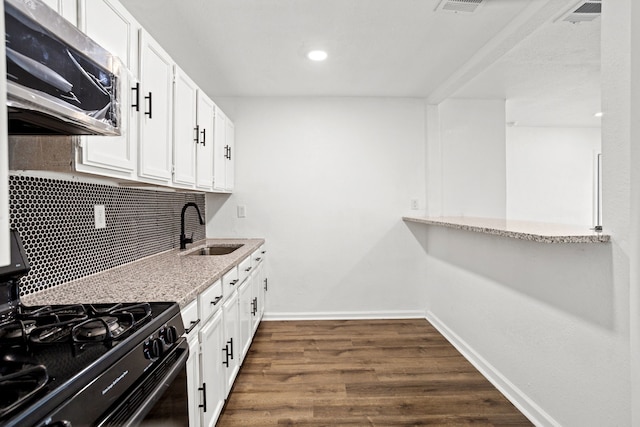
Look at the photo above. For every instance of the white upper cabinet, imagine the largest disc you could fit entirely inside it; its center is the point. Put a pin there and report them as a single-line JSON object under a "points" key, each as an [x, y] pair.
{"points": [[110, 25], [172, 132], [155, 103], [224, 156], [67, 8], [193, 113], [186, 133], [230, 142], [204, 158]]}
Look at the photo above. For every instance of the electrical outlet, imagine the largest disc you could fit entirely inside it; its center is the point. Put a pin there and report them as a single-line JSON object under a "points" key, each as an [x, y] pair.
{"points": [[99, 216], [414, 204], [242, 211]]}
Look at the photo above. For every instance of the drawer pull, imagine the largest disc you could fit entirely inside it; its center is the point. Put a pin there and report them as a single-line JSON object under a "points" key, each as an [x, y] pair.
{"points": [[217, 300], [248, 269], [204, 396], [150, 112], [137, 104], [225, 350], [258, 259], [193, 325], [233, 282]]}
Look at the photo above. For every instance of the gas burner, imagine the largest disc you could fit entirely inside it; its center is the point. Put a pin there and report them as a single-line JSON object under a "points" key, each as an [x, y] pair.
{"points": [[101, 328], [112, 322]]}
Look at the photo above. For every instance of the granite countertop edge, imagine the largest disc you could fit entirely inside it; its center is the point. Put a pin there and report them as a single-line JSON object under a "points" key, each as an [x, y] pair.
{"points": [[172, 275], [522, 230]]}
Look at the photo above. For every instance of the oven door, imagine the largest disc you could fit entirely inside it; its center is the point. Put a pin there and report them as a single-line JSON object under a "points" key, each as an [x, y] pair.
{"points": [[160, 399]]}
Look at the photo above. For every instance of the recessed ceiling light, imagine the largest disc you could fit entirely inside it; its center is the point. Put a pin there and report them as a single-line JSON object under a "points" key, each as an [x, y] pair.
{"points": [[317, 55], [598, 114]]}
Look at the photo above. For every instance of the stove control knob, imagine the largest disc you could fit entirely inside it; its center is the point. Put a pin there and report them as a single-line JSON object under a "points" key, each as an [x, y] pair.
{"points": [[153, 349], [169, 334]]}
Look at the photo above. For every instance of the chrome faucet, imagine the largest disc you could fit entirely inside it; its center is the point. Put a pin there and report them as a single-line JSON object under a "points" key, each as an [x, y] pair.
{"points": [[184, 239]]}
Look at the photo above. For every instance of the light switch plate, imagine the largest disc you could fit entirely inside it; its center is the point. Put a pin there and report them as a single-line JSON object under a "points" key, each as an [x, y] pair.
{"points": [[242, 211], [99, 216]]}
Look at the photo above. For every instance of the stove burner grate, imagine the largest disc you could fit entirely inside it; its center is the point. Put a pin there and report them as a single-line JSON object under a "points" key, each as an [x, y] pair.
{"points": [[19, 381], [111, 323]]}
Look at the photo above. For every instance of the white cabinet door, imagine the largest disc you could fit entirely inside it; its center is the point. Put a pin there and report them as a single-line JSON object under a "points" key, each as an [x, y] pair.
{"points": [[204, 155], [245, 313], [155, 142], [230, 142], [193, 382], [67, 8], [257, 294], [186, 134], [110, 25], [191, 323], [211, 363], [231, 335], [224, 153], [219, 151]]}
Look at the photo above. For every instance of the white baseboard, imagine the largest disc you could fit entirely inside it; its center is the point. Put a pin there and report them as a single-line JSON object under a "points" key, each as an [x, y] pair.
{"points": [[516, 396], [346, 315]]}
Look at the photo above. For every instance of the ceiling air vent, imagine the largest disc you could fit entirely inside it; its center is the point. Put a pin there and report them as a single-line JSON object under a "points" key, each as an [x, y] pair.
{"points": [[463, 6], [584, 11]]}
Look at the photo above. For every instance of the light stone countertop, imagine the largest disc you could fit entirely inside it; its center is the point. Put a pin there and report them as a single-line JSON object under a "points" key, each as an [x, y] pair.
{"points": [[523, 230], [168, 276]]}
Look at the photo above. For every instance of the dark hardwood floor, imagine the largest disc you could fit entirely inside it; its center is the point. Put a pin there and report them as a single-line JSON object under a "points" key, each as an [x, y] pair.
{"points": [[361, 373]]}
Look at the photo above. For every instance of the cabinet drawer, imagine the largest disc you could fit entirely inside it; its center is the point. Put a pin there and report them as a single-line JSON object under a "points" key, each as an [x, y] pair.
{"points": [[257, 256], [210, 300], [230, 282], [191, 320], [244, 268]]}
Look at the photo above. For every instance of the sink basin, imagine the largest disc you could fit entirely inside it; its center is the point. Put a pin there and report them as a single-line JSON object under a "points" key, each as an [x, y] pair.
{"points": [[216, 250]]}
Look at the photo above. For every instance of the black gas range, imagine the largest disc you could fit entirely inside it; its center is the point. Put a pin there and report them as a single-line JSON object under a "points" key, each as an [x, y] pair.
{"points": [[84, 364]]}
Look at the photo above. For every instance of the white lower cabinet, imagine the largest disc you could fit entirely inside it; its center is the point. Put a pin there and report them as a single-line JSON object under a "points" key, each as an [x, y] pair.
{"points": [[231, 351], [194, 381], [211, 364], [219, 328], [192, 328], [245, 295], [258, 288]]}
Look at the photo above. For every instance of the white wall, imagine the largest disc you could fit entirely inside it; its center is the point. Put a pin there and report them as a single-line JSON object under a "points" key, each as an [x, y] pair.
{"points": [[326, 181], [550, 174], [550, 324], [472, 146], [634, 135]]}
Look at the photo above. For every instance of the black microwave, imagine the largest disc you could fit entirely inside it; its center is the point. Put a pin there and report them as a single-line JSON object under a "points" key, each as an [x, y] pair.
{"points": [[59, 81]]}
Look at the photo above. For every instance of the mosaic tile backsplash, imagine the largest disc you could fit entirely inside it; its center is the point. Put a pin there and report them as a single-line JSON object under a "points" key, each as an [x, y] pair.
{"points": [[55, 219]]}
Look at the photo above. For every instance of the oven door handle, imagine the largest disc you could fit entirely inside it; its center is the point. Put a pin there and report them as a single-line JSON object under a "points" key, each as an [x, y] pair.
{"points": [[156, 393]]}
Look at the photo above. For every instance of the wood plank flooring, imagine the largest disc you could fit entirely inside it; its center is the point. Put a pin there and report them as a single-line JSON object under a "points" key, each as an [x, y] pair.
{"points": [[361, 373]]}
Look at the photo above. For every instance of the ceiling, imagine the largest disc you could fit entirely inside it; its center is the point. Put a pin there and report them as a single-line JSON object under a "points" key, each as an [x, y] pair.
{"points": [[398, 48], [551, 78]]}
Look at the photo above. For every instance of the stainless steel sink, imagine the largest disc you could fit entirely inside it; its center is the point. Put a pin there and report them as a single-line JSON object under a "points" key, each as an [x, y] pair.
{"points": [[216, 250]]}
